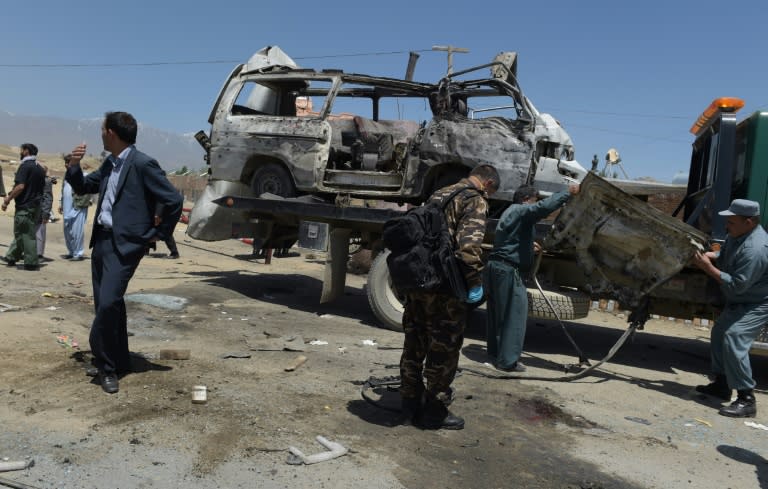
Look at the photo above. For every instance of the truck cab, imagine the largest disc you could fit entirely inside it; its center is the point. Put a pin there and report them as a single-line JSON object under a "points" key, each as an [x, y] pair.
{"points": [[729, 161], [618, 247]]}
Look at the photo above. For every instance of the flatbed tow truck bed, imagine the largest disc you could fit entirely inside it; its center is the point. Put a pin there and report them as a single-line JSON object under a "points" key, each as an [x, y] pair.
{"points": [[292, 211]]}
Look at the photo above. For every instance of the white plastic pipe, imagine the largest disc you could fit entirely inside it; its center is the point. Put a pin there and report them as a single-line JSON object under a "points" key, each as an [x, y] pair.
{"points": [[16, 465], [334, 450]]}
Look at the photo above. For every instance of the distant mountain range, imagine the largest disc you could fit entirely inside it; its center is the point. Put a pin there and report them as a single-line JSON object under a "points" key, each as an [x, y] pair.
{"points": [[57, 135]]}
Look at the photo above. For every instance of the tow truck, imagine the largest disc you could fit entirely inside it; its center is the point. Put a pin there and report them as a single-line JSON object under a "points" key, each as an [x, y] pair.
{"points": [[615, 246]]}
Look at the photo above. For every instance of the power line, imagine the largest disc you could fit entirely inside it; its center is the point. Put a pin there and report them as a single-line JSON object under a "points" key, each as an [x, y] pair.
{"points": [[204, 62], [382, 53], [611, 131], [116, 65], [648, 116]]}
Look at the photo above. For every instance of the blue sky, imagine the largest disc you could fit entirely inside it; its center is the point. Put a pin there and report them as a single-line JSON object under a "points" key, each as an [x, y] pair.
{"points": [[631, 76]]}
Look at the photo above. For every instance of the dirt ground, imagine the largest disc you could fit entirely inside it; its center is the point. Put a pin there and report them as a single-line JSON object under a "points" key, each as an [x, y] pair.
{"points": [[634, 424]]}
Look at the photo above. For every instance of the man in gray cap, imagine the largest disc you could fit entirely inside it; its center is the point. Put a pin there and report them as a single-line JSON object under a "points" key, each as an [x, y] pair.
{"points": [[741, 269]]}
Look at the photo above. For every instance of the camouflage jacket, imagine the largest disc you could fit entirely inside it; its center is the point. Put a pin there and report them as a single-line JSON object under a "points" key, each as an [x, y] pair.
{"points": [[466, 215]]}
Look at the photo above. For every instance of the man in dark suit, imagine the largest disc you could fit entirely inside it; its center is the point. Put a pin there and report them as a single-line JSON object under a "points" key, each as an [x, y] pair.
{"points": [[130, 185]]}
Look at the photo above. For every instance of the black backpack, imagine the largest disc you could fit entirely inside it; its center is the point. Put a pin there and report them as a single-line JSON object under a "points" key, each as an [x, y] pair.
{"points": [[422, 250]]}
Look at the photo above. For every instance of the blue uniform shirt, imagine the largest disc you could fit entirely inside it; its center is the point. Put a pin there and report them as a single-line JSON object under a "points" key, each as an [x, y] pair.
{"points": [[743, 264], [513, 241]]}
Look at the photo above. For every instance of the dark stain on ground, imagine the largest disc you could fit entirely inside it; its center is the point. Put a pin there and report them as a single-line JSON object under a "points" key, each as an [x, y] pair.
{"points": [[539, 409]]}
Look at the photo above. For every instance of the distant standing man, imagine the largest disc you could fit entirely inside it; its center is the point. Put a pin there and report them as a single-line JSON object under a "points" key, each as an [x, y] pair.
{"points": [[74, 210], [2, 183], [46, 207], [434, 323], [170, 241], [510, 261], [130, 185], [27, 194], [741, 269]]}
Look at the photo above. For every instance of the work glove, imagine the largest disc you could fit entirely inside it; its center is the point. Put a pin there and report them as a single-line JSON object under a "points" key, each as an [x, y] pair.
{"points": [[475, 294]]}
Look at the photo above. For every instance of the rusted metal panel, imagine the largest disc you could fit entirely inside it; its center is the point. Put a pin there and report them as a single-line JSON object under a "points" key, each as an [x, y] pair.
{"points": [[625, 247]]}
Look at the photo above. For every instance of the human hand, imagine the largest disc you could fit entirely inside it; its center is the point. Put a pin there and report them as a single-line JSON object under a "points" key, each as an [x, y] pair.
{"points": [[157, 221], [475, 294], [78, 154], [574, 189], [701, 260], [536, 248]]}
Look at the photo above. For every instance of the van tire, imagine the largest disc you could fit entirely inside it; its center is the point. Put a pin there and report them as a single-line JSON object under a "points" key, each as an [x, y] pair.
{"points": [[274, 179], [385, 303], [569, 304]]}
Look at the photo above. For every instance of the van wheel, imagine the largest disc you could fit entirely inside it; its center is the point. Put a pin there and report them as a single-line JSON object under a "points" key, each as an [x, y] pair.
{"points": [[569, 304], [274, 179], [386, 304]]}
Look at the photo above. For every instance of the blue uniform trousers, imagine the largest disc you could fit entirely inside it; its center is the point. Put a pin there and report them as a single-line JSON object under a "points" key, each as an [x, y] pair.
{"points": [[731, 338], [506, 313]]}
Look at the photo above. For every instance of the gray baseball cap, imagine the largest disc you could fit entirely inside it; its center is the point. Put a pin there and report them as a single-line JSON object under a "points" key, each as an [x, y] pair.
{"points": [[742, 207]]}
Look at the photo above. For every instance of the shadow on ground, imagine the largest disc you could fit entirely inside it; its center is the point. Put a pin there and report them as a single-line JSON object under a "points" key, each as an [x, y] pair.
{"points": [[644, 349], [295, 291], [748, 457]]}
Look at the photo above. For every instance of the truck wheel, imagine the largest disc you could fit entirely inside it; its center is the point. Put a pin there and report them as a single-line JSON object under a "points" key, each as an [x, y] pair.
{"points": [[274, 179], [385, 303], [569, 304]]}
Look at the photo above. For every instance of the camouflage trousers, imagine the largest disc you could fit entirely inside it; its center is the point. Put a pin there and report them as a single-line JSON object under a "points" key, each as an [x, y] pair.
{"points": [[434, 332]]}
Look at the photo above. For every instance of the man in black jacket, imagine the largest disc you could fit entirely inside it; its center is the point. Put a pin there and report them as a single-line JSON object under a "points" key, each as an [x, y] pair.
{"points": [[130, 185]]}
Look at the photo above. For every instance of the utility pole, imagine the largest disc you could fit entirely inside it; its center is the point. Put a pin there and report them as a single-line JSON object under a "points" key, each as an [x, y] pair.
{"points": [[451, 50]]}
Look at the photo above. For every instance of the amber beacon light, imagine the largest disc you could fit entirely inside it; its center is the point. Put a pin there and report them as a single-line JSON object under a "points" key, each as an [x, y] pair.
{"points": [[722, 104]]}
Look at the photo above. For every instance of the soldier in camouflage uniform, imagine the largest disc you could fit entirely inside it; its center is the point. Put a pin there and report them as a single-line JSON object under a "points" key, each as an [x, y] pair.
{"points": [[434, 323]]}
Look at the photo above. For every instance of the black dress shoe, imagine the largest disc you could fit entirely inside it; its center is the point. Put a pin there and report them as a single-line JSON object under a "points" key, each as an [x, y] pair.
{"points": [[109, 382], [719, 389], [173, 256], [67, 257], [10, 263], [743, 407]]}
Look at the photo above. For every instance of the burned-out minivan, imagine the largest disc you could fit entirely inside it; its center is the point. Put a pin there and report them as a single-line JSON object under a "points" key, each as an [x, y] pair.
{"points": [[280, 129]]}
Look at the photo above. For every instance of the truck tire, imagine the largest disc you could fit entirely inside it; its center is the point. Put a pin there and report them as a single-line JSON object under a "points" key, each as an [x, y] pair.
{"points": [[388, 306], [569, 304], [385, 303]]}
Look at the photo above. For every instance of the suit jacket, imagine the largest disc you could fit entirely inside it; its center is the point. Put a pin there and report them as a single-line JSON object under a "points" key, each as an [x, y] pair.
{"points": [[142, 188]]}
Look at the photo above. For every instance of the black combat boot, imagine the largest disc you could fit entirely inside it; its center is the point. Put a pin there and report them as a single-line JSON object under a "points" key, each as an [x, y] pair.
{"points": [[412, 410], [744, 406], [719, 388], [437, 416]]}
